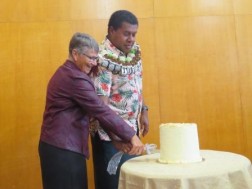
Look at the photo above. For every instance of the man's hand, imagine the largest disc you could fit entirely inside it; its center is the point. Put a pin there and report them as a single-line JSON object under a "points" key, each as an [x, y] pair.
{"points": [[144, 123]]}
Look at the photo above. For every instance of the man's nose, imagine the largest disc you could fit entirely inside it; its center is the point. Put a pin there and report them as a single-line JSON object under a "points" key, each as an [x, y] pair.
{"points": [[131, 38]]}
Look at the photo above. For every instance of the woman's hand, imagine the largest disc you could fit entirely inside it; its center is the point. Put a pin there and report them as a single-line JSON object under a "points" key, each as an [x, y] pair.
{"points": [[137, 146], [122, 146]]}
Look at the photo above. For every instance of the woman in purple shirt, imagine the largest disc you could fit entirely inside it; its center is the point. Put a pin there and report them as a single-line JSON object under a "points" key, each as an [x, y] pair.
{"points": [[71, 100]]}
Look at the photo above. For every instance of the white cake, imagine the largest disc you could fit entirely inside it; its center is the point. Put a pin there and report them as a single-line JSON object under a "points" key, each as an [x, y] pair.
{"points": [[179, 143]]}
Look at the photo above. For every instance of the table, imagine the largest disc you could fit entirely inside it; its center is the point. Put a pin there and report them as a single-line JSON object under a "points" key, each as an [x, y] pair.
{"points": [[218, 170]]}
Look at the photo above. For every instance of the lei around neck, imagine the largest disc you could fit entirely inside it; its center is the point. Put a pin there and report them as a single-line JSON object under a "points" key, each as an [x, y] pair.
{"points": [[132, 57], [120, 64]]}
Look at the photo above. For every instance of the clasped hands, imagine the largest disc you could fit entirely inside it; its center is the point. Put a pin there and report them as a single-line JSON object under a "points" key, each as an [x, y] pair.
{"points": [[134, 147]]}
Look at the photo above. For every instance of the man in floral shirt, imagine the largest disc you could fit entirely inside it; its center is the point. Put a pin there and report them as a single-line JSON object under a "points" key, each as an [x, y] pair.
{"points": [[119, 84]]}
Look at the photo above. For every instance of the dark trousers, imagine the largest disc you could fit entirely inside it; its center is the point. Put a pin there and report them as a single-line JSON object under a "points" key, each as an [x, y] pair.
{"points": [[102, 153], [62, 169]]}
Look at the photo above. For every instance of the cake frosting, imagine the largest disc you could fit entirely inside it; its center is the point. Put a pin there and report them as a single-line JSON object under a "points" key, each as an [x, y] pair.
{"points": [[179, 143]]}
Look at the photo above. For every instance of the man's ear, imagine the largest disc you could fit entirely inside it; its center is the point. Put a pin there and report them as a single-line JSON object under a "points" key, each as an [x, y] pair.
{"points": [[110, 30]]}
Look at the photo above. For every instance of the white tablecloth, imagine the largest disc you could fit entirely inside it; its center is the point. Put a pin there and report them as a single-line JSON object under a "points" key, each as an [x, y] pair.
{"points": [[218, 170]]}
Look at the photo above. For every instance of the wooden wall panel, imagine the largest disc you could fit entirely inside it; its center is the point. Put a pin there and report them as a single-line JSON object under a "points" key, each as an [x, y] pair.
{"points": [[19, 113], [197, 78], [244, 40], [58, 10], [146, 39], [171, 8], [242, 6]]}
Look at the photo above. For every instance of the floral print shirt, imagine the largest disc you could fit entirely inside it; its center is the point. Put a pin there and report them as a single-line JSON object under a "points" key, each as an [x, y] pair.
{"points": [[123, 90]]}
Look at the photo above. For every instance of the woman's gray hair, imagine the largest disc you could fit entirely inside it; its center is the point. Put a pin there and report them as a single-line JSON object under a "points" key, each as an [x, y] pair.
{"points": [[82, 41]]}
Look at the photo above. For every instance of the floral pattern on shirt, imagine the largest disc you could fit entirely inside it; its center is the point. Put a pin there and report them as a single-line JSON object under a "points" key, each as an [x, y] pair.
{"points": [[124, 91]]}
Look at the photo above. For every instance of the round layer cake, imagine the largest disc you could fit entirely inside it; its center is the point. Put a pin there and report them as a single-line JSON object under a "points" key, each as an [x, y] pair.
{"points": [[179, 143]]}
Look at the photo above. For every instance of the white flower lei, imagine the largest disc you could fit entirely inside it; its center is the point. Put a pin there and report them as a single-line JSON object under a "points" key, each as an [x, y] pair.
{"points": [[119, 64]]}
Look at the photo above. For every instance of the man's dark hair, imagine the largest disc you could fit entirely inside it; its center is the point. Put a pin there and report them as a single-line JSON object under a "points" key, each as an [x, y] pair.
{"points": [[120, 16]]}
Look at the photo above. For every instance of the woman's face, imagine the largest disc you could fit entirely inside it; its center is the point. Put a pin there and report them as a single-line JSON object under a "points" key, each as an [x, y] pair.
{"points": [[86, 59]]}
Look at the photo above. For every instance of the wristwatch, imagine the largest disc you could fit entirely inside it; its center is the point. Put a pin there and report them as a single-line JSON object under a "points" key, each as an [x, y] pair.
{"points": [[145, 108]]}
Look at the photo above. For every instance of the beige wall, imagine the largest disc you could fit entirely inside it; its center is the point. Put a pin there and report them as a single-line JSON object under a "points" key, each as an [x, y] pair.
{"points": [[197, 68]]}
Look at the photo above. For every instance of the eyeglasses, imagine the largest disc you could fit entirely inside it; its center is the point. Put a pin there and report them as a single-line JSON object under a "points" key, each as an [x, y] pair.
{"points": [[93, 58]]}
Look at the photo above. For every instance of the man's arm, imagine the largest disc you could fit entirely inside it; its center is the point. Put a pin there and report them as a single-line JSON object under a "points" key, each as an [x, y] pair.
{"points": [[144, 120]]}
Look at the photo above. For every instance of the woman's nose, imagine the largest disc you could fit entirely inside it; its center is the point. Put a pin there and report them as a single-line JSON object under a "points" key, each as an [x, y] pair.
{"points": [[94, 62]]}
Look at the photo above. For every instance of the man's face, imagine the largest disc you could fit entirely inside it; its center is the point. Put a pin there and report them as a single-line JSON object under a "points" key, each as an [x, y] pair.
{"points": [[124, 37]]}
